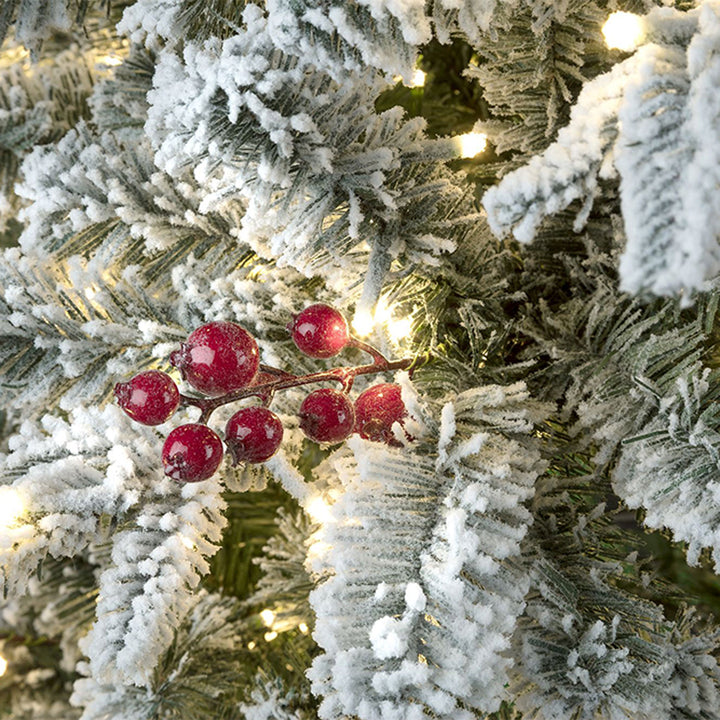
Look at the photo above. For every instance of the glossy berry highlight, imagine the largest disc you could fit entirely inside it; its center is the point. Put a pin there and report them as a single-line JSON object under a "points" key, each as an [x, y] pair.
{"points": [[327, 416], [217, 358], [191, 453], [150, 397], [320, 331], [376, 410], [253, 435]]}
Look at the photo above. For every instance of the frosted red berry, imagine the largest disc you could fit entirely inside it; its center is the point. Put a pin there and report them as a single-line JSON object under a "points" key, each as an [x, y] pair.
{"points": [[191, 453], [327, 416], [149, 397], [376, 410], [320, 331], [253, 435], [217, 358]]}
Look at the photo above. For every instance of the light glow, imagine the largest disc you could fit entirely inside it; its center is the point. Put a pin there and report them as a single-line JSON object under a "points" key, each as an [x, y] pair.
{"points": [[187, 542], [418, 78], [303, 628], [268, 617], [318, 509], [11, 506], [269, 636], [318, 549], [363, 323], [623, 31], [110, 60], [383, 313], [251, 645], [472, 144], [399, 329], [3, 665]]}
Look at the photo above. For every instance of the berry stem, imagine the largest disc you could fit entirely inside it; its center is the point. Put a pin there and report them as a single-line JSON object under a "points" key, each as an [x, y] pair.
{"points": [[378, 358], [343, 375], [270, 370]]}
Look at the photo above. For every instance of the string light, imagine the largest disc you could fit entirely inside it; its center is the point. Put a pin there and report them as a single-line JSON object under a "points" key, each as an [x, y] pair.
{"points": [[303, 628], [11, 506], [268, 617], [399, 329], [623, 31], [14, 56], [269, 636], [251, 645], [187, 542], [3, 665], [363, 323], [471, 144], [110, 60], [418, 78], [318, 509]]}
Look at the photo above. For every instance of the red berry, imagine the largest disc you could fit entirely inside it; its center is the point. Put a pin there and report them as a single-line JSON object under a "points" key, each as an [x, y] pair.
{"points": [[376, 410], [320, 331], [253, 435], [149, 397], [191, 453], [327, 416], [217, 358]]}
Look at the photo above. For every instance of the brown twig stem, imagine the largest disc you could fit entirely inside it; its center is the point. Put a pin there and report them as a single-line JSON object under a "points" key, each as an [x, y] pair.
{"points": [[284, 380]]}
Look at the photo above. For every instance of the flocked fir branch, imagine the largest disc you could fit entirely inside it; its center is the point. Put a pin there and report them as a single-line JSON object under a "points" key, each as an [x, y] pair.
{"points": [[648, 121]]}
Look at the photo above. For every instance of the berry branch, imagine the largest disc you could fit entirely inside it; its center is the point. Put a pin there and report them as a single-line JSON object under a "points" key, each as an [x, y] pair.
{"points": [[221, 360], [265, 391]]}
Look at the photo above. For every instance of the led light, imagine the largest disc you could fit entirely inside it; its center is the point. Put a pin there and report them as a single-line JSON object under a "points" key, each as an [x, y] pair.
{"points": [[318, 509], [110, 60], [11, 506], [363, 323], [383, 313], [187, 542], [418, 78], [472, 144], [303, 628], [270, 636], [268, 617], [91, 292], [399, 329], [623, 30], [13, 56], [3, 665], [251, 645]]}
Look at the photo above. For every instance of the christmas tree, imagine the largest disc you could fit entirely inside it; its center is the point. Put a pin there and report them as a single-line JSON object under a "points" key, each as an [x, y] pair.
{"points": [[358, 359]]}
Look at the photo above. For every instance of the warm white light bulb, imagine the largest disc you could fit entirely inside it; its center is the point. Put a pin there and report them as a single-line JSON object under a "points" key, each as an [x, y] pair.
{"points": [[383, 313], [399, 329], [187, 542], [269, 636], [3, 665], [303, 628], [472, 144], [268, 617], [110, 60], [11, 506], [363, 323], [623, 30], [418, 78], [318, 509]]}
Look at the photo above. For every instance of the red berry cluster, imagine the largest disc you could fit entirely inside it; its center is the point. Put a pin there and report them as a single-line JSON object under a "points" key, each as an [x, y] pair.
{"points": [[221, 360]]}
